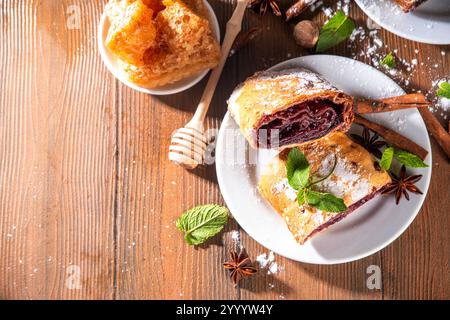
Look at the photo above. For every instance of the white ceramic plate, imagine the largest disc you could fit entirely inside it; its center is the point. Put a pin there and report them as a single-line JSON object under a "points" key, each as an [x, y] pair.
{"points": [[429, 23], [365, 231], [113, 64]]}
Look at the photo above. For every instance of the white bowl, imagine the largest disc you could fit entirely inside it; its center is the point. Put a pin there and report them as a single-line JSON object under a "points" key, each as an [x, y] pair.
{"points": [[429, 23], [113, 65]]}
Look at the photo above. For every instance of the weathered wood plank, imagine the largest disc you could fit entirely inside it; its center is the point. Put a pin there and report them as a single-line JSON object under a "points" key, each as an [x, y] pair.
{"points": [[57, 154], [85, 178]]}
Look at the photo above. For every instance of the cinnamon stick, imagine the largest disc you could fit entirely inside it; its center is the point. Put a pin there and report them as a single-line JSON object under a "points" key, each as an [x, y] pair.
{"points": [[436, 129], [297, 8], [393, 138], [415, 100]]}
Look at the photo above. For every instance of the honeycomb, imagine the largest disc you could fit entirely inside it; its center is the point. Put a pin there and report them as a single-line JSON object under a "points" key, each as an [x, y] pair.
{"points": [[132, 30], [161, 41], [184, 46], [155, 5]]}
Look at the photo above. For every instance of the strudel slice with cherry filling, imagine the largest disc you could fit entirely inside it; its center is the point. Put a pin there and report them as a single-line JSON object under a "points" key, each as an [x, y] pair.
{"points": [[356, 179], [409, 5], [296, 105]]}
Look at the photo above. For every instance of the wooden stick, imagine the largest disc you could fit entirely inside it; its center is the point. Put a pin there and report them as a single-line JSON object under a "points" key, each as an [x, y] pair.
{"points": [[297, 8], [232, 30], [188, 144], [436, 130], [415, 100], [393, 138]]}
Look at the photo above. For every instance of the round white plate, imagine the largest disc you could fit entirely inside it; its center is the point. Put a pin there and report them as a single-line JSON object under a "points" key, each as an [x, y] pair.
{"points": [[429, 23], [365, 231], [116, 69]]}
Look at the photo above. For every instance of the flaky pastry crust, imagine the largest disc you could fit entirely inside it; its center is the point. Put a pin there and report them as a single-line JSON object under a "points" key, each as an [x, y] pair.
{"points": [[356, 179]]}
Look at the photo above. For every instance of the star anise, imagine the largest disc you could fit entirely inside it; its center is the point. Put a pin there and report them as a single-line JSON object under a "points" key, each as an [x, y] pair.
{"points": [[371, 144], [264, 5], [240, 266], [401, 184]]}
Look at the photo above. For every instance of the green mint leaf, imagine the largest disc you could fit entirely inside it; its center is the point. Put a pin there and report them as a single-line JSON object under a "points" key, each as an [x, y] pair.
{"points": [[300, 178], [312, 197], [409, 159], [386, 158], [444, 90], [325, 201], [301, 197], [388, 61], [336, 30], [297, 168], [202, 222]]}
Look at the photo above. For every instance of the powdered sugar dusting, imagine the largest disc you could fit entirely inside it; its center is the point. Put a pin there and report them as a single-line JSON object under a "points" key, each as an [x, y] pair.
{"points": [[345, 179], [267, 262], [441, 105], [283, 186]]}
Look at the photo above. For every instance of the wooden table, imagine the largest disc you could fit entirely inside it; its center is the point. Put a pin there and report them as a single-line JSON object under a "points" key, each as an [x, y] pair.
{"points": [[87, 192]]}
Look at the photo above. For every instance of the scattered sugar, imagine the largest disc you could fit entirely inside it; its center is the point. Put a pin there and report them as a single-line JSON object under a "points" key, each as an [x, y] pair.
{"points": [[328, 12], [343, 5], [440, 105], [315, 5], [291, 194], [236, 239], [444, 103], [262, 260], [268, 263], [318, 217], [235, 236], [283, 185], [273, 268], [344, 180]]}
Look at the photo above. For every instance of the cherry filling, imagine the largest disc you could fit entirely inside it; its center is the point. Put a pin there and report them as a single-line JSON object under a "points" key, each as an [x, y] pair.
{"points": [[307, 121]]}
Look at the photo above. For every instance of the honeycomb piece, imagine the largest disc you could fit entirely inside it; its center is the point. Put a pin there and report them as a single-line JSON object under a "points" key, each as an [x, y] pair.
{"points": [[184, 46], [115, 8], [132, 31], [155, 5]]}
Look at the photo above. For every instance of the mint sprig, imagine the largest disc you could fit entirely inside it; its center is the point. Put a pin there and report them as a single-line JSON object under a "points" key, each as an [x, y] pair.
{"points": [[408, 159], [202, 222], [297, 169], [298, 173], [386, 158], [388, 61], [444, 90], [336, 30], [325, 201]]}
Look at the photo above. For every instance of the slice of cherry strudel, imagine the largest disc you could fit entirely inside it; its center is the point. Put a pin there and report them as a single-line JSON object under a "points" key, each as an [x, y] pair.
{"points": [[409, 5], [288, 107], [356, 179]]}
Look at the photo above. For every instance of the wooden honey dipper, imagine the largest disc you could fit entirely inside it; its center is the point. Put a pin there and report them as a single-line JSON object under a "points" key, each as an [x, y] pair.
{"points": [[188, 144]]}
